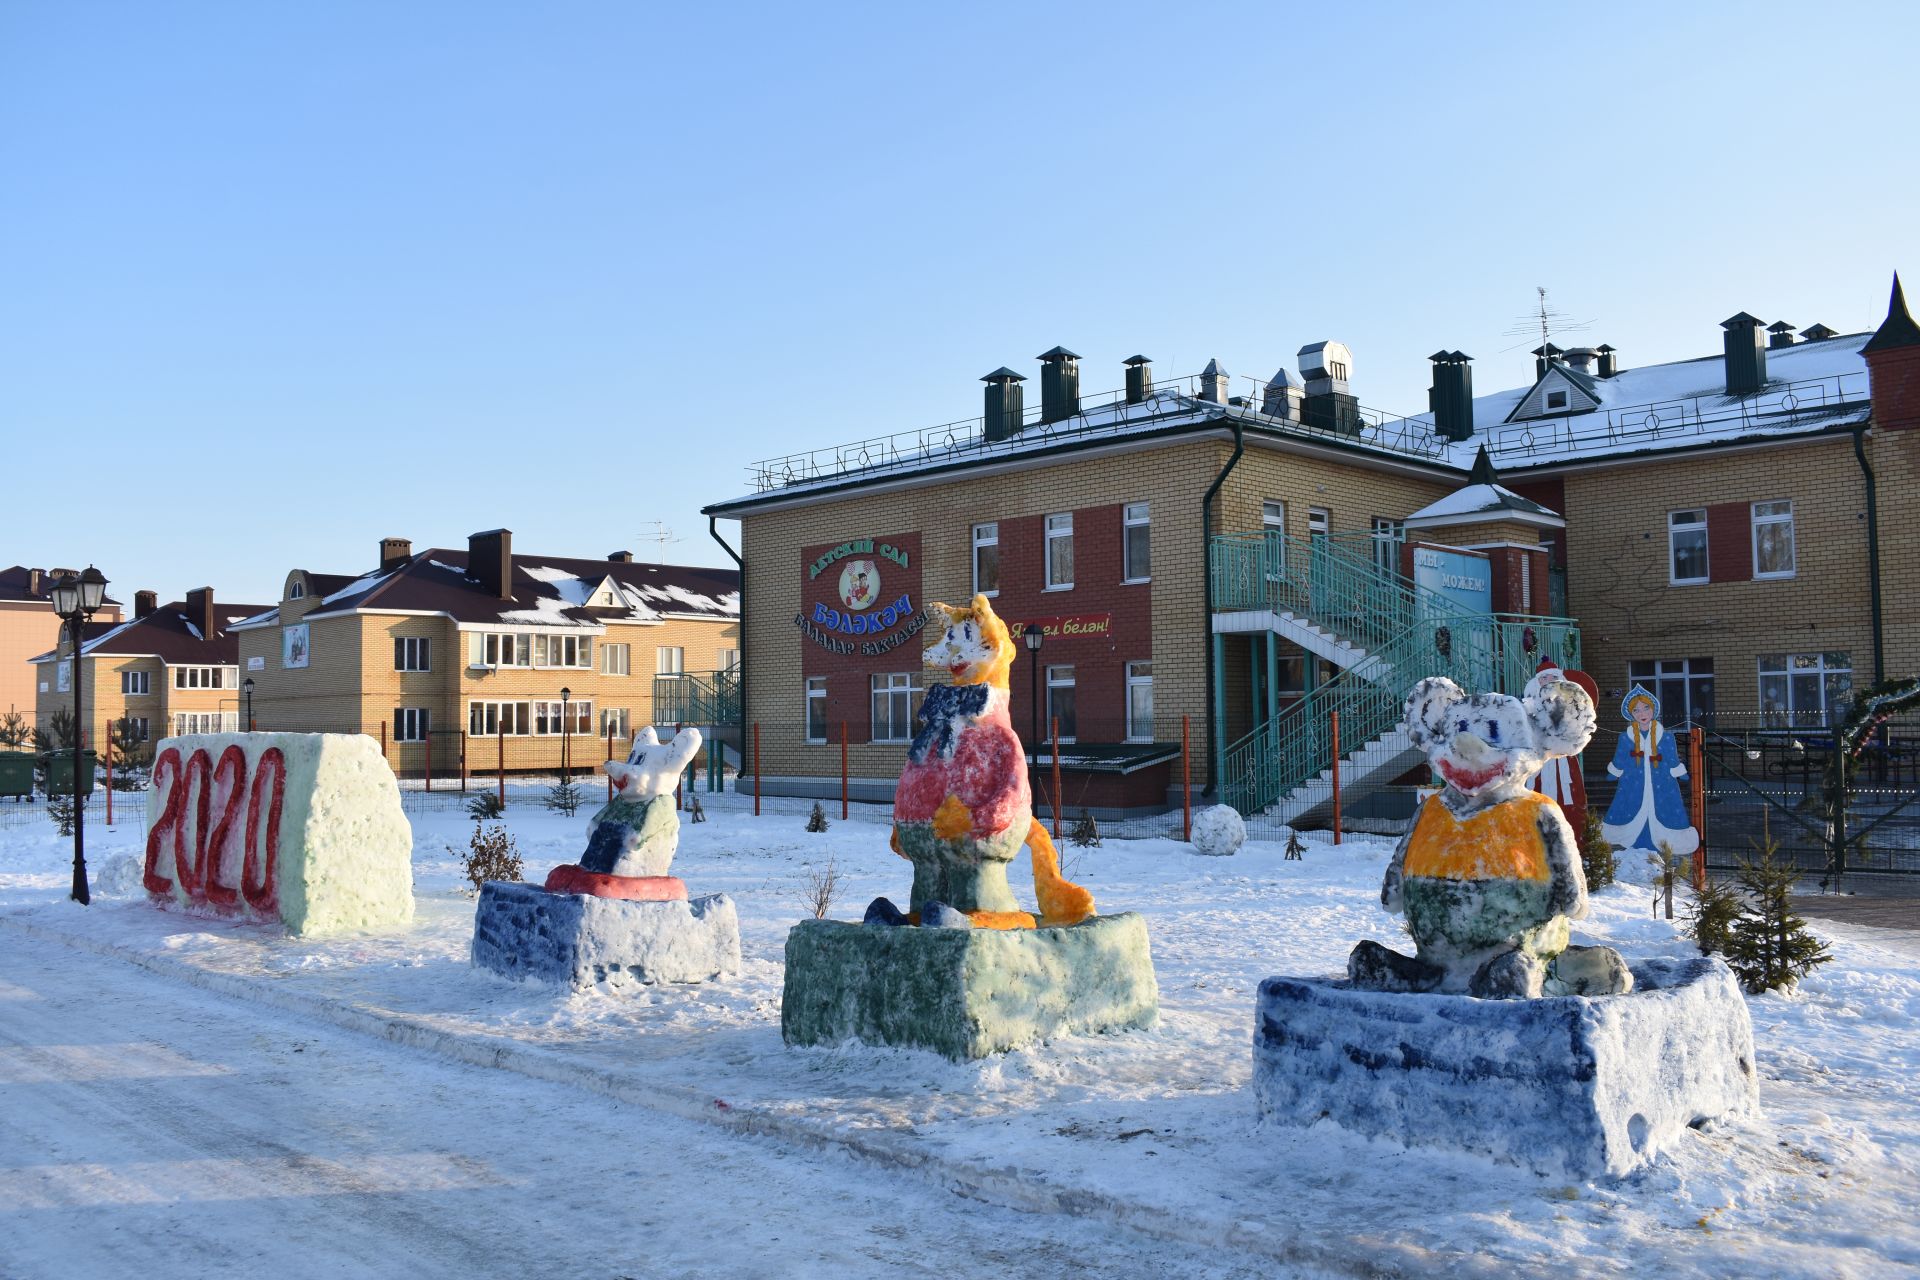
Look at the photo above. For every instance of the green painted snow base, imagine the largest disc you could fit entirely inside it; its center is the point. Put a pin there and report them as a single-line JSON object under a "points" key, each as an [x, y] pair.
{"points": [[966, 993]]}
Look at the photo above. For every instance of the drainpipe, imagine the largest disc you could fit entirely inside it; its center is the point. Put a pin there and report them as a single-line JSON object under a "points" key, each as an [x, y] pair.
{"points": [[713, 530], [1214, 743], [1873, 549]]}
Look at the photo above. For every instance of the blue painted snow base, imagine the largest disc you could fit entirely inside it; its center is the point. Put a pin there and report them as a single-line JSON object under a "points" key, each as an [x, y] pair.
{"points": [[1570, 1086], [523, 931]]}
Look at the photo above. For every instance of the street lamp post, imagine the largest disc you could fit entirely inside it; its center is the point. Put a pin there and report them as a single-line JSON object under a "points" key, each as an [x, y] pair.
{"points": [[1033, 635], [247, 687], [566, 737], [75, 600]]}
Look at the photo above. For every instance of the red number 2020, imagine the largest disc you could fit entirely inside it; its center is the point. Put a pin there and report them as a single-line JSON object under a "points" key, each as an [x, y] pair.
{"points": [[199, 841]]}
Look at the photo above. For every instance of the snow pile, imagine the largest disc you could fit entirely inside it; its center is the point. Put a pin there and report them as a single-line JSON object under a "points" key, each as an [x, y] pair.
{"points": [[1219, 831], [304, 828]]}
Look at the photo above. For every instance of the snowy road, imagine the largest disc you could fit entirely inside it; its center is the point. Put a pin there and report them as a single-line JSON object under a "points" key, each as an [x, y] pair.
{"points": [[154, 1130]]}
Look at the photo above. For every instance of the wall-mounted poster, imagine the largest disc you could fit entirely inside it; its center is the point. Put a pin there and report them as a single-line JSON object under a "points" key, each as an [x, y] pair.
{"points": [[256, 663], [293, 646]]}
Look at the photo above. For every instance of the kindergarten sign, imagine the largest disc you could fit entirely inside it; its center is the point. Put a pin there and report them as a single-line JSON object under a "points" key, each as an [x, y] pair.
{"points": [[861, 596], [1073, 627]]}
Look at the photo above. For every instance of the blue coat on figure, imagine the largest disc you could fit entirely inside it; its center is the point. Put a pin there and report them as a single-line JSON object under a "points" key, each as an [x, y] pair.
{"points": [[1648, 809]]}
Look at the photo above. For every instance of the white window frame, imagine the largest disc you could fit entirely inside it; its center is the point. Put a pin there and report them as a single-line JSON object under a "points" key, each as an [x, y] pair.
{"points": [[616, 659], [729, 660], [135, 684], [1706, 561], [1139, 676], [186, 722], [297, 591], [553, 718], [986, 535], [517, 714], [1757, 520], [1388, 536], [673, 666], [1659, 674], [142, 727], [1070, 681], [202, 677], [898, 688], [1135, 515], [1059, 528], [1319, 522], [411, 724], [617, 721], [816, 693], [412, 653], [496, 650], [1550, 405], [1784, 667]]}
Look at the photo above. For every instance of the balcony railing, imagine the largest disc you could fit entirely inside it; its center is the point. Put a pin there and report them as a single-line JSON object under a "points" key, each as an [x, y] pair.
{"points": [[697, 698]]}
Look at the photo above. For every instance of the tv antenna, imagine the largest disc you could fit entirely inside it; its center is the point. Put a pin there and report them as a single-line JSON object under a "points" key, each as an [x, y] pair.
{"points": [[663, 535], [1543, 321]]}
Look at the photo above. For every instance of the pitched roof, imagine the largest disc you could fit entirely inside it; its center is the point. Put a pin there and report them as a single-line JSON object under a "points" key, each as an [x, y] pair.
{"points": [[18, 582], [1898, 329], [548, 591], [169, 633]]}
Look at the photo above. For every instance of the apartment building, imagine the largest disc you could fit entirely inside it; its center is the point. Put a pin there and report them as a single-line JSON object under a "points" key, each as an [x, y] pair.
{"points": [[484, 658], [28, 628]]}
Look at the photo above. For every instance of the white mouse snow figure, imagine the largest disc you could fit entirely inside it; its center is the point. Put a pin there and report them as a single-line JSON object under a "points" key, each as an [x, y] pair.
{"points": [[637, 832], [1489, 875]]}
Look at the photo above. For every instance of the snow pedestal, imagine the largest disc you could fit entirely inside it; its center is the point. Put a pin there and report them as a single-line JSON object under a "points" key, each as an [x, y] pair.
{"points": [[1570, 1086], [523, 931], [966, 993]]}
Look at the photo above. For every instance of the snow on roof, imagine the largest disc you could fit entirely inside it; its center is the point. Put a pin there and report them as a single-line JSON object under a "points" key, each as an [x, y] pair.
{"points": [[357, 586], [1480, 499]]}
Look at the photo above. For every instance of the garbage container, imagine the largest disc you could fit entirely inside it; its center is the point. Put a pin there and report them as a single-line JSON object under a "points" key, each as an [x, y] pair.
{"points": [[16, 773], [60, 773]]}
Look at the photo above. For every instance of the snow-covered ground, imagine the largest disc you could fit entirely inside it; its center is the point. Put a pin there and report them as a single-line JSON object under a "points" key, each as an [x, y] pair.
{"points": [[1151, 1131]]}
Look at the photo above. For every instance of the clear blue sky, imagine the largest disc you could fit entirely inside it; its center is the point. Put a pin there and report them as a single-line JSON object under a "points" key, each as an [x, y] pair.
{"points": [[290, 278]]}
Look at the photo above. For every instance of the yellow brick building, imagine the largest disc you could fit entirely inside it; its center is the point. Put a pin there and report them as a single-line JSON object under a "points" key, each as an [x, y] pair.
{"points": [[484, 659], [28, 628]]}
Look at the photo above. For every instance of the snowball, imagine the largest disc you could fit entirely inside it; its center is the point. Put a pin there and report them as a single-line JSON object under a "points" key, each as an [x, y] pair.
{"points": [[119, 878], [1219, 831]]}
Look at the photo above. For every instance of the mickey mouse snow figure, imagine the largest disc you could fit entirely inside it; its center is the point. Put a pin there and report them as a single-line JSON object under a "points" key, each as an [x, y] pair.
{"points": [[1489, 875]]}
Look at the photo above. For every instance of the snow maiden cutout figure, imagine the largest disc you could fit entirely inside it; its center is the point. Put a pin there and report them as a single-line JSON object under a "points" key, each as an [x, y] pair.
{"points": [[1489, 875], [1648, 809]]}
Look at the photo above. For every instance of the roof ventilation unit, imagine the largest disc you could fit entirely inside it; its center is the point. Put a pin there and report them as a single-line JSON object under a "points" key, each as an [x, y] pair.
{"points": [[1779, 334], [1005, 404], [1283, 396], [1139, 379], [1609, 362], [1059, 384], [1746, 354], [1329, 402], [1450, 398]]}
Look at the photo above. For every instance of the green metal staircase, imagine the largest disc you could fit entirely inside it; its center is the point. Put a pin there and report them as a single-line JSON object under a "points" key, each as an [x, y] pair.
{"points": [[703, 698], [1384, 634]]}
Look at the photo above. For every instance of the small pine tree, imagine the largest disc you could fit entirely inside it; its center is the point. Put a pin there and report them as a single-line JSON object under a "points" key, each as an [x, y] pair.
{"points": [[1295, 849], [1769, 946], [1086, 831], [817, 820], [564, 797], [1711, 914], [485, 806], [1597, 858], [14, 730], [58, 734], [492, 855], [60, 809]]}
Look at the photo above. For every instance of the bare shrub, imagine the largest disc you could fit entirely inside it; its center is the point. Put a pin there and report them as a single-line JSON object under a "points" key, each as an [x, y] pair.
{"points": [[492, 855], [819, 884]]}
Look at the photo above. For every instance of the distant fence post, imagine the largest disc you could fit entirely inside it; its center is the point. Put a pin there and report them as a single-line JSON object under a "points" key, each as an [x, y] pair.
{"points": [[1056, 778], [1697, 767], [756, 768], [428, 770], [1186, 778], [609, 759], [1333, 727], [383, 748], [463, 760], [843, 771], [500, 758], [107, 741]]}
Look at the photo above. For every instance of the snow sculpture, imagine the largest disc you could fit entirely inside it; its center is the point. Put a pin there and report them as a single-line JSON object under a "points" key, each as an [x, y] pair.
{"points": [[302, 828], [1561, 779], [1489, 875], [1219, 831], [964, 971], [1648, 809], [615, 918]]}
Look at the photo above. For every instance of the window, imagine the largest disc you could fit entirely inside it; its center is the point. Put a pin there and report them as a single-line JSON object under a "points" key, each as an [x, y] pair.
{"points": [[1136, 542], [410, 654], [410, 724], [562, 651], [514, 719], [297, 591], [1687, 546], [1273, 516], [138, 728], [1060, 703], [185, 722], [613, 720], [1556, 399], [817, 708], [1683, 685], [573, 717], [616, 659], [1139, 702], [1319, 520], [1804, 690], [136, 682], [1059, 552], [200, 678], [893, 706], [730, 661], [986, 559], [1387, 537], [670, 661], [1773, 539], [500, 649], [1273, 524]]}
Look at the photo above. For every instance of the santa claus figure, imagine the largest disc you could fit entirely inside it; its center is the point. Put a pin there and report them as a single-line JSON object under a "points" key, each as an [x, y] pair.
{"points": [[1560, 779]]}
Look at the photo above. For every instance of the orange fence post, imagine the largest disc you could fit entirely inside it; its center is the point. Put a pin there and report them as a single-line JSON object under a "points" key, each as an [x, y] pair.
{"points": [[1057, 794], [1697, 767], [609, 758], [1334, 721], [108, 754], [500, 757], [1186, 778], [383, 747], [756, 768], [843, 771], [428, 770]]}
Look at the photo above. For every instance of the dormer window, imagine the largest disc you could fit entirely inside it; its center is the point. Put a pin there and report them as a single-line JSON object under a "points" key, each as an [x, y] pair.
{"points": [[1556, 399], [296, 591]]}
